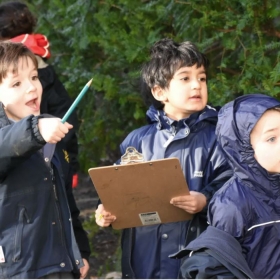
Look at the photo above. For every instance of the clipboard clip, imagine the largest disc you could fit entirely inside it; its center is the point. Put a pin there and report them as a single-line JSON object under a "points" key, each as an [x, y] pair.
{"points": [[131, 155]]}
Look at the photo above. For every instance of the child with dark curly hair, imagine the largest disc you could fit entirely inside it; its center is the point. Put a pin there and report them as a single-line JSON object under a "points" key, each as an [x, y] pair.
{"points": [[181, 125]]}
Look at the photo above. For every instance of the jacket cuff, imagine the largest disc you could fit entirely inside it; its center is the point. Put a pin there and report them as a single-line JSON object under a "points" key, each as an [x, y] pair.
{"points": [[35, 130], [85, 255], [208, 198], [207, 195]]}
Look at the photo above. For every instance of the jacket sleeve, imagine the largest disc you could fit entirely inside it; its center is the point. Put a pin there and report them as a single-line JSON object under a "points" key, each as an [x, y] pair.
{"points": [[19, 140], [201, 265], [218, 172], [56, 101]]}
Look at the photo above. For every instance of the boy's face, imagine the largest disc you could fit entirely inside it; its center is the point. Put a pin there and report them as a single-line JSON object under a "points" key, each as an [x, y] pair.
{"points": [[265, 140], [187, 93], [21, 92]]}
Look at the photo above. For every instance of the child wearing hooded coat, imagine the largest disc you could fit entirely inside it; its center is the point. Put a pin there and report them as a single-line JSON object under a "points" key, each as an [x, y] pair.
{"points": [[243, 238]]}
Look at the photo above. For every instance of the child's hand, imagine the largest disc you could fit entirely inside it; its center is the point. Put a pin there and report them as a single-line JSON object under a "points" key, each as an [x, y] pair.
{"points": [[102, 217], [192, 203], [52, 129], [84, 270]]}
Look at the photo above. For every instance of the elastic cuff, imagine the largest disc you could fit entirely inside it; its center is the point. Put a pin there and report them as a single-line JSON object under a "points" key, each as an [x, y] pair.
{"points": [[35, 130], [208, 197]]}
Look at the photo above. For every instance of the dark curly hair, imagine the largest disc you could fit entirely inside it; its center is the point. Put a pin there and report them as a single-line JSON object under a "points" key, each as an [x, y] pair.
{"points": [[15, 19], [167, 57]]}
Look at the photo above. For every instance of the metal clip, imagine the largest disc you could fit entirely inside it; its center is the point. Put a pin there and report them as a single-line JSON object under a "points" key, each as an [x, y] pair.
{"points": [[131, 156]]}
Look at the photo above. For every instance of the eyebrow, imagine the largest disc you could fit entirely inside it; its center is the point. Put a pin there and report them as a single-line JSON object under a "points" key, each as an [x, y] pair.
{"points": [[270, 130], [188, 72]]}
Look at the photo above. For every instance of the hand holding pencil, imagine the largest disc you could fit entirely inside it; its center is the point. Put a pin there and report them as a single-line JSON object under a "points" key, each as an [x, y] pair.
{"points": [[52, 129]]}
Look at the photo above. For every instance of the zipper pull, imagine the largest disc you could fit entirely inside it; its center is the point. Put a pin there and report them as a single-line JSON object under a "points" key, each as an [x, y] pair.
{"points": [[55, 193], [169, 140]]}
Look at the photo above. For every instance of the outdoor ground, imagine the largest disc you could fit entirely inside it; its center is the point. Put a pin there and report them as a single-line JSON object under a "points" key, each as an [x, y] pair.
{"points": [[104, 260]]}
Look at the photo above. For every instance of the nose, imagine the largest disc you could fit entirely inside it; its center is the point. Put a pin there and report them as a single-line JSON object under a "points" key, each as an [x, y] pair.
{"points": [[195, 84], [30, 87]]}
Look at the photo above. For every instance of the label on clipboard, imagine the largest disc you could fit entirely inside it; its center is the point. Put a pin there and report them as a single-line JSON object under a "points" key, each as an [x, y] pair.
{"points": [[150, 218]]}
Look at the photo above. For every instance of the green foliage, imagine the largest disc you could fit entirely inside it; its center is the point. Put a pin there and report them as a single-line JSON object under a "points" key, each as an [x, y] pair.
{"points": [[112, 263], [109, 40]]}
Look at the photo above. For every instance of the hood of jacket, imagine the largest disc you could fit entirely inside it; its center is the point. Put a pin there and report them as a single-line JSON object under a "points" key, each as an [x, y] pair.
{"points": [[235, 123]]}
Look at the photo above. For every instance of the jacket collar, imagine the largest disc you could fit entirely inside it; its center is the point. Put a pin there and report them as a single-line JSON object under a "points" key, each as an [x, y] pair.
{"points": [[4, 121], [164, 122]]}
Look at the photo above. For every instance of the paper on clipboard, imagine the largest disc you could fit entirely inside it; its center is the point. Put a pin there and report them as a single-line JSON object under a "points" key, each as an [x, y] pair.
{"points": [[139, 194]]}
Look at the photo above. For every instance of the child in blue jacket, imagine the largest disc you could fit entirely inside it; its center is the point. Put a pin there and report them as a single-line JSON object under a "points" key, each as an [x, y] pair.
{"points": [[39, 221], [180, 125], [243, 239], [18, 24]]}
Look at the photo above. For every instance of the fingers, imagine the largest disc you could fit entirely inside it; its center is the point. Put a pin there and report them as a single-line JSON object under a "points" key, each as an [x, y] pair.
{"points": [[68, 125], [192, 203], [186, 205], [181, 199], [187, 208], [102, 217], [84, 270], [52, 129]]}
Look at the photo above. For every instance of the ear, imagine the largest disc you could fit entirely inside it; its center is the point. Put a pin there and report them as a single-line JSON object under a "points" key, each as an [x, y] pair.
{"points": [[159, 94]]}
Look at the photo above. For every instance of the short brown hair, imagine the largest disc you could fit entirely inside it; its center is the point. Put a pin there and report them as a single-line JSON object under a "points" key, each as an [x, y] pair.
{"points": [[10, 53]]}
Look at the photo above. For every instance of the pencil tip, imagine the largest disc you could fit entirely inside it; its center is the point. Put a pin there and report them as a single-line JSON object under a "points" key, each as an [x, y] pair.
{"points": [[89, 82]]}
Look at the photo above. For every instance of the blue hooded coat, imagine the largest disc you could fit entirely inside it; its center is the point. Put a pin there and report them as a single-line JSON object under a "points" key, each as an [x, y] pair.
{"points": [[246, 208], [193, 142]]}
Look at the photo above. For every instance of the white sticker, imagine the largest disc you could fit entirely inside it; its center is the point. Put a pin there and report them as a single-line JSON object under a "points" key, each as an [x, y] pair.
{"points": [[2, 257], [149, 218]]}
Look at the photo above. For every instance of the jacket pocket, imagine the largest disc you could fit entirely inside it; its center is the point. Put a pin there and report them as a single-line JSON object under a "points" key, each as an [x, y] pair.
{"points": [[23, 218]]}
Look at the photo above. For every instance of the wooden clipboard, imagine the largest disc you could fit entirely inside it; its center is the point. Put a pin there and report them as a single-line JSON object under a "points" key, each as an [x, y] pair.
{"points": [[139, 194]]}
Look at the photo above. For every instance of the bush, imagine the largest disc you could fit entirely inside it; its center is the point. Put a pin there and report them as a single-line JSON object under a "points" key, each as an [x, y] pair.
{"points": [[109, 40]]}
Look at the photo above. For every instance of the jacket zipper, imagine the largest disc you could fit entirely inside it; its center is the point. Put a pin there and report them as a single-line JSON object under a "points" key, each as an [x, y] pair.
{"points": [[54, 187], [19, 232], [171, 137], [57, 207]]}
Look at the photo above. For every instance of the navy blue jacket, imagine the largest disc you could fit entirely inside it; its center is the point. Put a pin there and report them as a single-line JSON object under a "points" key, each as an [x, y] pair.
{"points": [[193, 142], [247, 207], [220, 254], [36, 232]]}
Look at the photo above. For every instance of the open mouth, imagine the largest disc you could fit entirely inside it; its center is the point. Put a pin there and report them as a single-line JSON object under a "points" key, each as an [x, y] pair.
{"points": [[33, 104]]}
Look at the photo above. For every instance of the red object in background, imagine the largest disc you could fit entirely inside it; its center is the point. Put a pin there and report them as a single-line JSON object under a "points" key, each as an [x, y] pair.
{"points": [[75, 181]]}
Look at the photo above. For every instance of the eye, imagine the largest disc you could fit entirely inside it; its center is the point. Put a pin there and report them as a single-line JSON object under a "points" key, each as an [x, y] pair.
{"points": [[271, 139], [17, 84], [203, 79], [35, 78], [185, 79]]}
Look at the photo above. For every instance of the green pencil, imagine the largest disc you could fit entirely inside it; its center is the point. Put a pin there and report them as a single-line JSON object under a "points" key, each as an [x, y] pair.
{"points": [[77, 100]]}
